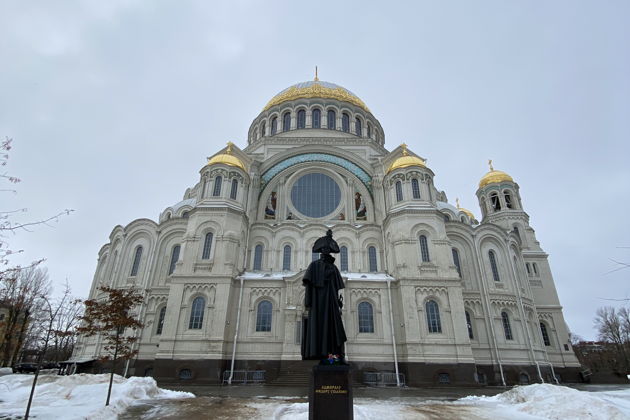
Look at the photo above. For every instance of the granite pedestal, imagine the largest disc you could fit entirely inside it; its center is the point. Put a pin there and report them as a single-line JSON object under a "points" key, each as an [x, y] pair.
{"points": [[330, 395]]}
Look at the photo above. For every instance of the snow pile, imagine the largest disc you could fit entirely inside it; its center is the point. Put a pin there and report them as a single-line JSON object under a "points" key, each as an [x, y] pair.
{"points": [[553, 402], [77, 396]]}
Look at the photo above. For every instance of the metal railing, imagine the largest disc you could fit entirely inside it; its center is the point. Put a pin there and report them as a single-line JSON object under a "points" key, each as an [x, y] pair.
{"points": [[245, 376], [383, 378]]}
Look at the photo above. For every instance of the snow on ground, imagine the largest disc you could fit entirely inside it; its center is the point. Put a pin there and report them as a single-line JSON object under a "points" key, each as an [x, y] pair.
{"points": [[531, 402], [79, 396]]}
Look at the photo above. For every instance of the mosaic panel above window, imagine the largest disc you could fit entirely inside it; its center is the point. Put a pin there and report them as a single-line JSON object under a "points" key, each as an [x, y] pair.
{"points": [[365, 178]]}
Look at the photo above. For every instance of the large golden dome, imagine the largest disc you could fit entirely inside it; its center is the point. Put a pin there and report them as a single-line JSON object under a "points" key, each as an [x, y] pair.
{"points": [[227, 158], [406, 160], [316, 89], [494, 177]]}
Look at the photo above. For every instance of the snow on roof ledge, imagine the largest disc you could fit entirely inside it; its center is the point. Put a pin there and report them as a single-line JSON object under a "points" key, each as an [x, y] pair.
{"points": [[281, 275]]}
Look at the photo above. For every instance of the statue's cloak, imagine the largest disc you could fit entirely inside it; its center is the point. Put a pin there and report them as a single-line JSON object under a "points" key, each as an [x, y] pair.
{"points": [[322, 331]]}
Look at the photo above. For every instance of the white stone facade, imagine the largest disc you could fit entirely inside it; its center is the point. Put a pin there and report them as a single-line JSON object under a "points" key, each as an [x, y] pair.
{"points": [[234, 254]]}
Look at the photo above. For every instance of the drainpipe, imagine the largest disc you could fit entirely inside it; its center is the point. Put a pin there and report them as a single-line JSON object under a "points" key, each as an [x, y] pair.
{"points": [[391, 321], [482, 281], [517, 286], [238, 321]]}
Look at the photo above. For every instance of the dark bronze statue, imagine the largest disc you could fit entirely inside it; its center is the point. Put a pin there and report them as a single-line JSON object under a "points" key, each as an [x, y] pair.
{"points": [[323, 335]]}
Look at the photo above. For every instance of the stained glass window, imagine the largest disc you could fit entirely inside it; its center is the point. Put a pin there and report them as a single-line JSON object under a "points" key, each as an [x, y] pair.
{"points": [[315, 195]]}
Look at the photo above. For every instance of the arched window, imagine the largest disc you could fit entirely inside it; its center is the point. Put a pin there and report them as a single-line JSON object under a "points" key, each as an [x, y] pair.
{"points": [[535, 267], [263, 316], [372, 259], [217, 186], [185, 374], [196, 313], [316, 118], [528, 268], [136, 262], [399, 194], [366, 318], [234, 189], [424, 249], [507, 329], [357, 127], [286, 258], [174, 259], [343, 258], [456, 261], [262, 129], [415, 188], [345, 122], [274, 125], [545, 335], [160, 323], [185, 214], [433, 317], [494, 200], [301, 119], [286, 121], [258, 251], [493, 266], [332, 120], [469, 326], [207, 246], [508, 199], [369, 130]]}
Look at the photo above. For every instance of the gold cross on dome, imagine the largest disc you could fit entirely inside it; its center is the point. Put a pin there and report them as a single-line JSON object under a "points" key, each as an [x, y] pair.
{"points": [[316, 78], [490, 164]]}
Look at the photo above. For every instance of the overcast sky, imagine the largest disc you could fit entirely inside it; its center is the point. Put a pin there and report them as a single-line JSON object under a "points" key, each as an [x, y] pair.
{"points": [[114, 106]]}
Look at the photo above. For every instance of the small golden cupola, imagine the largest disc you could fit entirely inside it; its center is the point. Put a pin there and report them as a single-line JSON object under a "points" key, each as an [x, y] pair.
{"points": [[465, 211], [227, 158], [406, 160], [494, 177]]}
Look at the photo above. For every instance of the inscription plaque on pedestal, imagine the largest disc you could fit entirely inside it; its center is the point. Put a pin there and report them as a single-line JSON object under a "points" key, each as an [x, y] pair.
{"points": [[330, 396]]}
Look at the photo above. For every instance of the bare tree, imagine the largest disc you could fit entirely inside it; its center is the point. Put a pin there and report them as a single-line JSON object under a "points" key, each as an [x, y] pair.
{"points": [[109, 315], [19, 293], [613, 329]]}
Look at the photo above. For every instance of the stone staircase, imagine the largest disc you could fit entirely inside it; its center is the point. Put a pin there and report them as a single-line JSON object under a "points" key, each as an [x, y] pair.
{"points": [[294, 374]]}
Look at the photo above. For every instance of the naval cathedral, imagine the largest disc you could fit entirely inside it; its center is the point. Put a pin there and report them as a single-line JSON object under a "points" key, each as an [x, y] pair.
{"points": [[432, 293]]}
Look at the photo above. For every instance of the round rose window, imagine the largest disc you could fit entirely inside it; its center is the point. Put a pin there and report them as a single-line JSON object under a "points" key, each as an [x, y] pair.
{"points": [[315, 195]]}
